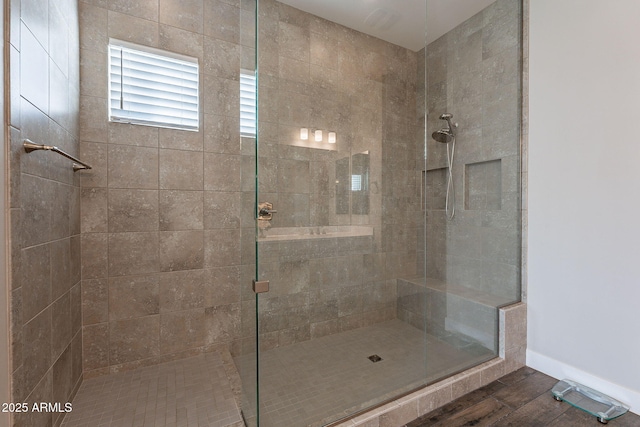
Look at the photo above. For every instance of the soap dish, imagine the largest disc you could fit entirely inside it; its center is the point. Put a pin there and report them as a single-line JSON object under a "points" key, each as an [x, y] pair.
{"points": [[601, 406]]}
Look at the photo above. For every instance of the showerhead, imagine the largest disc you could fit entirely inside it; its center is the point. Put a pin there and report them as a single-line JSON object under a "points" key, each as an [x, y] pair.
{"points": [[443, 135]]}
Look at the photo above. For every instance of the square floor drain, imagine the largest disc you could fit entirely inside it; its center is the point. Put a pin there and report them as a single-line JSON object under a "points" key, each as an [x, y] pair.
{"points": [[374, 358]]}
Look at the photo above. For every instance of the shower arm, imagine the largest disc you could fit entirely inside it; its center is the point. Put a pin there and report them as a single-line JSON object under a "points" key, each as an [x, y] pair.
{"points": [[452, 126]]}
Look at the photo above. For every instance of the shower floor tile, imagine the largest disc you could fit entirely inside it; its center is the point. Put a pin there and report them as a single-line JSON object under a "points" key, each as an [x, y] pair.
{"points": [[305, 384], [319, 381], [193, 392]]}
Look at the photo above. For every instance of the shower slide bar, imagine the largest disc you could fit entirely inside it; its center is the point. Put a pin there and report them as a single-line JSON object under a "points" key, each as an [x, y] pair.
{"points": [[30, 146]]}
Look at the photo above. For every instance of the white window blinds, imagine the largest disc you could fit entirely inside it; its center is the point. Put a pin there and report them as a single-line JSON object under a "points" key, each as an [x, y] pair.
{"points": [[148, 88], [356, 182], [247, 104]]}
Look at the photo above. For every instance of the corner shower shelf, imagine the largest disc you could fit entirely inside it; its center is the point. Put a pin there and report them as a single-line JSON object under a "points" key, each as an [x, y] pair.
{"points": [[601, 406]]}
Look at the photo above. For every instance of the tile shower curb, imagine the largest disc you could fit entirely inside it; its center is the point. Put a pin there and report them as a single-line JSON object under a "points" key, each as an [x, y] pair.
{"points": [[512, 350]]}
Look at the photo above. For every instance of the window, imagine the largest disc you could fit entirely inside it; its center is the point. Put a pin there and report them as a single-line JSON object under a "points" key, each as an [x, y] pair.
{"points": [[247, 104], [152, 87], [356, 182]]}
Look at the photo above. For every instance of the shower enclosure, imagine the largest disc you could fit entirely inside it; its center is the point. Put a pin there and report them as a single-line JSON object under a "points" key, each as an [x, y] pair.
{"points": [[358, 285]]}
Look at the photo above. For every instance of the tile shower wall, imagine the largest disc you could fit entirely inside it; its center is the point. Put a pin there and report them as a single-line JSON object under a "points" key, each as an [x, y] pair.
{"points": [[318, 74], [45, 210], [168, 249], [161, 211], [473, 72]]}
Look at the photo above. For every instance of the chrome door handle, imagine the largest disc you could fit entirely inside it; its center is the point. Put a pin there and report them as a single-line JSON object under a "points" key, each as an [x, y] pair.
{"points": [[265, 212]]}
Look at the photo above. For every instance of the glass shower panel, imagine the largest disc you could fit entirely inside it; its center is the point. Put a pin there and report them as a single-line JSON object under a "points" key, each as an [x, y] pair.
{"points": [[375, 287], [340, 157], [473, 256], [246, 353]]}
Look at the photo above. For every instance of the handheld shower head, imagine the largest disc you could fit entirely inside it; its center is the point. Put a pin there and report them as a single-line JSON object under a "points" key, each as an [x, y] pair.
{"points": [[442, 135], [445, 135]]}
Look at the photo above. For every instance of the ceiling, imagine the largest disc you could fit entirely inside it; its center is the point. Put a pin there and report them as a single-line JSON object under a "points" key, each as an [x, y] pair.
{"points": [[400, 22]]}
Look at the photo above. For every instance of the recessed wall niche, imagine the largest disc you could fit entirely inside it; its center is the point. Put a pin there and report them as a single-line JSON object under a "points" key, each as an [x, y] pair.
{"points": [[436, 193], [483, 185]]}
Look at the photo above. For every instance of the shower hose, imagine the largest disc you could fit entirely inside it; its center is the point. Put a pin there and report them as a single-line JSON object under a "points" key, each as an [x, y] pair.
{"points": [[451, 191]]}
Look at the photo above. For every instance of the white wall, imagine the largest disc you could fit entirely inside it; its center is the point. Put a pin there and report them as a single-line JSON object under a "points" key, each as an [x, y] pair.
{"points": [[584, 194]]}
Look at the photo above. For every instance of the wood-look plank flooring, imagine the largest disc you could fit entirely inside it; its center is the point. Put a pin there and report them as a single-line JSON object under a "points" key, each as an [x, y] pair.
{"points": [[520, 399]]}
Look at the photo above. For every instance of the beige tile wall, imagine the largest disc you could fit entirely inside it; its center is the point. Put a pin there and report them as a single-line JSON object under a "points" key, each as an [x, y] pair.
{"points": [[318, 74], [167, 230], [161, 210], [164, 212], [45, 210], [474, 72]]}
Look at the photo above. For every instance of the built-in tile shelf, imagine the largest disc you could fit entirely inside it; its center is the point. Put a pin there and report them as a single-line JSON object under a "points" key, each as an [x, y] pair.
{"points": [[304, 233]]}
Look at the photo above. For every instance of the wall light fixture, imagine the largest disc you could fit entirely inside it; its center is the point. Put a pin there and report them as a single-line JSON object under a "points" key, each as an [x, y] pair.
{"points": [[318, 135]]}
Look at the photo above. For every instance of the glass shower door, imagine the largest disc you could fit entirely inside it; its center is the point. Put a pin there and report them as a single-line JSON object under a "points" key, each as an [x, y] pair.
{"points": [[339, 157], [246, 350]]}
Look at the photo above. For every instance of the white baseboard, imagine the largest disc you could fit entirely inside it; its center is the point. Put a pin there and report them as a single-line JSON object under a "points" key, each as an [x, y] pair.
{"points": [[561, 370]]}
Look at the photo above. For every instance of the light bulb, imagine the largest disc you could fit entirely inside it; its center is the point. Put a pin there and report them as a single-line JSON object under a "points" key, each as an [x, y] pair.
{"points": [[332, 137], [304, 134], [318, 136]]}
